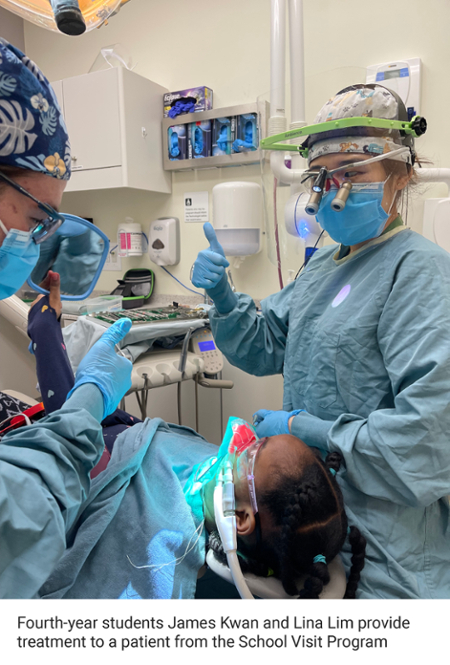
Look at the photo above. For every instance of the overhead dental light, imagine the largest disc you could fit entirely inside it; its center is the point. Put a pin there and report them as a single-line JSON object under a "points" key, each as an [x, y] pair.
{"points": [[72, 17]]}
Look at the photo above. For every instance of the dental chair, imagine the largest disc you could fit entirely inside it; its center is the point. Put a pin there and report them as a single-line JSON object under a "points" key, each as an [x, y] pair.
{"points": [[23, 398], [271, 587]]}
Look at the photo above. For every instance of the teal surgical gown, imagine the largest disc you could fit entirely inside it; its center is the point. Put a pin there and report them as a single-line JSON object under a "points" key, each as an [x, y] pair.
{"points": [[363, 342], [44, 478]]}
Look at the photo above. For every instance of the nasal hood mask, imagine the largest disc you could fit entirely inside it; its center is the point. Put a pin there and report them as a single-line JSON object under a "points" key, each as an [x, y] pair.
{"points": [[240, 445], [18, 256]]}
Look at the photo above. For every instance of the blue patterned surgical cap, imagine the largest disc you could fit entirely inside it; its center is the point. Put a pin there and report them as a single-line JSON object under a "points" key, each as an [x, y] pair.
{"points": [[33, 134]]}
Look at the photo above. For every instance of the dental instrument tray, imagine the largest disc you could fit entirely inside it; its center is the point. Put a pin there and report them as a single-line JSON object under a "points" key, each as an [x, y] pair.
{"points": [[173, 312]]}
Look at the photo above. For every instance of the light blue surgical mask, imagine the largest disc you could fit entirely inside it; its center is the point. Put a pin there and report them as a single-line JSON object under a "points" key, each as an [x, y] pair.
{"points": [[363, 217], [18, 256]]}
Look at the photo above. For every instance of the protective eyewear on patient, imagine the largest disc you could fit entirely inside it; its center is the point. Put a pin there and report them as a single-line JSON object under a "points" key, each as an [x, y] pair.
{"points": [[43, 228], [245, 469]]}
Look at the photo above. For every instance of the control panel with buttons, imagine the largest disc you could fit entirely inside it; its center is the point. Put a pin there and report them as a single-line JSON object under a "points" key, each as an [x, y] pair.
{"points": [[202, 343]]}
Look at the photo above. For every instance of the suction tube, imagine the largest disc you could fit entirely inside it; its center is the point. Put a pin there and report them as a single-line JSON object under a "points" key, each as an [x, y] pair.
{"points": [[68, 17], [226, 525]]}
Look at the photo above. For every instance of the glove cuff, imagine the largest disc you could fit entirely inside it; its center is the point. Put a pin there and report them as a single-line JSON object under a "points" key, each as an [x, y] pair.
{"points": [[99, 386], [289, 416], [224, 298]]}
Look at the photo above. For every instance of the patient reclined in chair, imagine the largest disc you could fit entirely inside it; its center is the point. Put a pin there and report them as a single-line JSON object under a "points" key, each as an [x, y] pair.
{"points": [[143, 531]]}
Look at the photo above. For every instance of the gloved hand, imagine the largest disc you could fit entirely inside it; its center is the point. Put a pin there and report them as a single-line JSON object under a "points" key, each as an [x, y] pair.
{"points": [[209, 273], [271, 423], [209, 267], [105, 368]]}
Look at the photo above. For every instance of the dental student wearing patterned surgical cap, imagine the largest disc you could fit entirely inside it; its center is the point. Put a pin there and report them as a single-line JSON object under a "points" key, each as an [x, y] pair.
{"points": [[362, 338], [44, 468]]}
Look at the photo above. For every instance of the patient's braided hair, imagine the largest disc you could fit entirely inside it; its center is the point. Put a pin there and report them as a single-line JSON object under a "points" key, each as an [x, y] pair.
{"points": [[310, 517]]}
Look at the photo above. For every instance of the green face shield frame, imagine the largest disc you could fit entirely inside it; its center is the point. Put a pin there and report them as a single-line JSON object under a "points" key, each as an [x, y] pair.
{"points": [[415, 128]]}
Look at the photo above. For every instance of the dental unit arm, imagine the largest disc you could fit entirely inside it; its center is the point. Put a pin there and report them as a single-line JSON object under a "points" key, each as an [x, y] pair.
{"points": [[225, 516], [14, 310]]}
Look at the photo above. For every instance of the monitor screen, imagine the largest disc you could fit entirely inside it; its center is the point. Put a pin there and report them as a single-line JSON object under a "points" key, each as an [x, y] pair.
{"points": [[207, 346]]}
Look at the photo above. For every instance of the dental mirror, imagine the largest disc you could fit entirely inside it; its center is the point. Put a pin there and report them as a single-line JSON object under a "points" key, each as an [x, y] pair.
{"points": [[77, 251]]}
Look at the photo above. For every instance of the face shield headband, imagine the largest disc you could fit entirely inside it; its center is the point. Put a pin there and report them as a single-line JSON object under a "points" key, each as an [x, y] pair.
{"points": [[407, 129]]}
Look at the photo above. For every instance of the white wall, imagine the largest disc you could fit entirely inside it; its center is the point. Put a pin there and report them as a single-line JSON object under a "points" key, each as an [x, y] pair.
{"points": [[12, 29], [179, 44], [227, 47]]}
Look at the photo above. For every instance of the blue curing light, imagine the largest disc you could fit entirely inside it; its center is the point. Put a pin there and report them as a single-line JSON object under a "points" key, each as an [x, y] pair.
{"points": [[302, 229]]}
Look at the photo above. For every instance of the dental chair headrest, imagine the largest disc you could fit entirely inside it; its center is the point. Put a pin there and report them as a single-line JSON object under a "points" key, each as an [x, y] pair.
{"points": [[271, 587]]}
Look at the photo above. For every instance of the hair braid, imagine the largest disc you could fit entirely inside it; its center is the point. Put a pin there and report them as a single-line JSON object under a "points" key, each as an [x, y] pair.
{"points": [[289, 522], [358, 545], [319, 576]]}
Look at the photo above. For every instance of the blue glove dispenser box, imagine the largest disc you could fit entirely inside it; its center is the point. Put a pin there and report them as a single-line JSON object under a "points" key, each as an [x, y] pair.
{"points": [[200, 139], [177, 142], [223, 135], [246, 133]]}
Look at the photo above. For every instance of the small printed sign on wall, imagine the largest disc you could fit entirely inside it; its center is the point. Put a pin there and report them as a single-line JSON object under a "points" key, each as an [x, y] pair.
{"points": [[196, 207]]}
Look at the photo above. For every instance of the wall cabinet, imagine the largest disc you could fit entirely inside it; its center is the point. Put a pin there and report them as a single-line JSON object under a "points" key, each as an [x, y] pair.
{"points": [[114, 122]]}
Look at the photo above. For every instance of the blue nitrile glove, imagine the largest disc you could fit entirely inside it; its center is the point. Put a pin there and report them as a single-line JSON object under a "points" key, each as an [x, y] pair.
{"points": [[209, 273], [176, 109], [174, 149], [242, 146], [198, 141], [102, 366], [222, 140], [271, 423]]}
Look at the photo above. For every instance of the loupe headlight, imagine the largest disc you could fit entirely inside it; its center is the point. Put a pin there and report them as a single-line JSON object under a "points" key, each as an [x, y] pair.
{"points": [[317, 192]]}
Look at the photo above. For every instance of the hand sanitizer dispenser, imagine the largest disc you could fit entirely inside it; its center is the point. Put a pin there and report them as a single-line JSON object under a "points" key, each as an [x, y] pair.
{"points": [[164, 241]]}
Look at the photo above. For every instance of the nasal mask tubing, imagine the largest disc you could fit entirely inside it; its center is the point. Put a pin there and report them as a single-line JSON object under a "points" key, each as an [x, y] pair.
{"points": [[225, 516], [339, 201]]}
